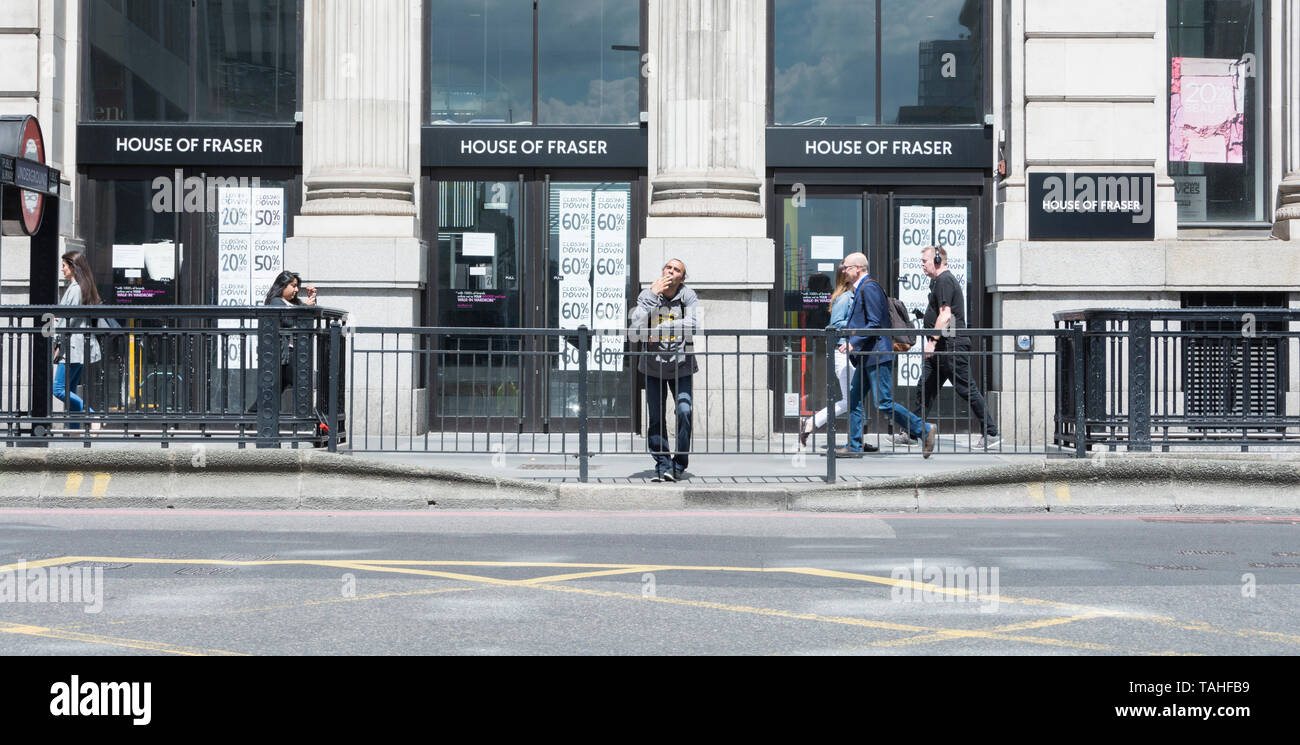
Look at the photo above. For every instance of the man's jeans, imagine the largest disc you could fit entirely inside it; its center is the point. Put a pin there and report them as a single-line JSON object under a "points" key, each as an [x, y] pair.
{"points": [[656, 389], [880, 379]]}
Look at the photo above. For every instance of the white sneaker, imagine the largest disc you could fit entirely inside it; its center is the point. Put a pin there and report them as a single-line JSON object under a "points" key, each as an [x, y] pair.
{"points": [[987, 442], [902, 438]]}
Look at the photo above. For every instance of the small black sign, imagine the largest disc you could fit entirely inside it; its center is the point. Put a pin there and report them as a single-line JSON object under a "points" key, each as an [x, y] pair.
{"points": [[182, 144], [533, 147], [964, 146], [1091, 206], [29, 175]]}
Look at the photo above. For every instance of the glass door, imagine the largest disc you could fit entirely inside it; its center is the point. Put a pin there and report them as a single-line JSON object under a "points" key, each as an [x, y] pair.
{"points": [[915, 223], [530, 250], [589, 239], [477, 280], [817, 231], [824, 224]]}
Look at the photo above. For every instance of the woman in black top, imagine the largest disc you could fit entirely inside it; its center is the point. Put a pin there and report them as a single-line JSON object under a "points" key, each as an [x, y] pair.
{"points": [[287, 289]]}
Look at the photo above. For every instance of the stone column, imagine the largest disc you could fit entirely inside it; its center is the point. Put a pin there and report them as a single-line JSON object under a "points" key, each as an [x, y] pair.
{"points": [[357, 236], [357, 129], [1287, 221], [708, 145], [707, 101]]}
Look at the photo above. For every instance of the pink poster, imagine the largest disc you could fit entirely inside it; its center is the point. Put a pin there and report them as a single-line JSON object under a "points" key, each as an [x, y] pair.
{"points": [[1207, 110]]}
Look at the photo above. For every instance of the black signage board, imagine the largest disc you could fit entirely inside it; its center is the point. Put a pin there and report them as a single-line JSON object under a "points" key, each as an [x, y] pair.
{"points": [[30, 175], [183, 144], [476, 146], [964, 146], [1091, 206]]}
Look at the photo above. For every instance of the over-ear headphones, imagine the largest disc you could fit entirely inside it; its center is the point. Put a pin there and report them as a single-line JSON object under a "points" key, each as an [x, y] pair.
{"points": [[938, 258]]}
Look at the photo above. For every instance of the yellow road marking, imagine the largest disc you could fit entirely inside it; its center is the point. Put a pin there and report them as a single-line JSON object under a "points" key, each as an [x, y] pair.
{"points": [[996, 630], [1244, 633], [100, 487], [1036, 492], [72, 486], [940, 634], [845, 620], [399, 567], [51, 633], [268, 608], [586, 575]]}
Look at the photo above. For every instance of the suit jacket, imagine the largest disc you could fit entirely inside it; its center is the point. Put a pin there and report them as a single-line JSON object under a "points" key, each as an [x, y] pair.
{"points": [[870, 311]]}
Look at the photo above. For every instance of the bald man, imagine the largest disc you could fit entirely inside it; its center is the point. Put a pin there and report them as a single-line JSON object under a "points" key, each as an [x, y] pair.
{"points": [[873, 359]]}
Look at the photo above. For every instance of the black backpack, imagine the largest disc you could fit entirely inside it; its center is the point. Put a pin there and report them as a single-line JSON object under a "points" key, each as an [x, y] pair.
{"points": [[898, 320]]}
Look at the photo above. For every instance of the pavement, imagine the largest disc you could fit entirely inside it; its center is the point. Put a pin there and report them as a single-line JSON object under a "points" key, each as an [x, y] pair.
{"points": [[216, 477]]}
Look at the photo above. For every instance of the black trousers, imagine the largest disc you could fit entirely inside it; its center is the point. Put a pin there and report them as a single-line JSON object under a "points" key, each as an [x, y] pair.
{"points": [[286, 382], [953, 365]]}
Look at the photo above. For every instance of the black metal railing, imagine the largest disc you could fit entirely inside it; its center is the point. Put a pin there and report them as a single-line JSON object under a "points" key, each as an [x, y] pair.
{"points": [[1116, 378], [580, 392], [1181, 378], [172, 373]]}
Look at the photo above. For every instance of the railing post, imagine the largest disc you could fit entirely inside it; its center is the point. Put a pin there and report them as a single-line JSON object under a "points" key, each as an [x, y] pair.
{"points": [[584, 344], [831, 384], [329, 380], [303, 406], [268, 379], [1094, 380], [41, 376], [1139, 382], [1080, 406]]}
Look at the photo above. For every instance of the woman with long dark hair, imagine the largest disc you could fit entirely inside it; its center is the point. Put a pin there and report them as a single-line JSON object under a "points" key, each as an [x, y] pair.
{"points": [[841, 303], [80, 348], [287, 289]]}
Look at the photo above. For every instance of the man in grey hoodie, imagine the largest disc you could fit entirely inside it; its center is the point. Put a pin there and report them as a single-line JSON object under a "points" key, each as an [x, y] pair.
{"points": [[666, 317]]}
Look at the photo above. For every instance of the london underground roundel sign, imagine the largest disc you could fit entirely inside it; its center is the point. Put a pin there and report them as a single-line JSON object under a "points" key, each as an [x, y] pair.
{"points": [[32, 147]]}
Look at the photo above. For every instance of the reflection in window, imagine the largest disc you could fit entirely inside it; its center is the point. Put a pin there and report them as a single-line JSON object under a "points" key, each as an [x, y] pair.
{"points": [[126, 214], [588, 61], [481, 56], [1220, 49], [143, 68], [931, 61], [139, 61], [824, 59], [482, 62], [248, 60], [827, 69]]}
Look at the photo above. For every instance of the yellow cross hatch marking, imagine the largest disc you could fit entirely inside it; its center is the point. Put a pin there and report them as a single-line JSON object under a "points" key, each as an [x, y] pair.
{"points": [[149, 646], [409, 567]]}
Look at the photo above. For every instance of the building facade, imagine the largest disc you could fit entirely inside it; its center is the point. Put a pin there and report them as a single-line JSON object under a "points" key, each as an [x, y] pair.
{"points": [[504, 163]]}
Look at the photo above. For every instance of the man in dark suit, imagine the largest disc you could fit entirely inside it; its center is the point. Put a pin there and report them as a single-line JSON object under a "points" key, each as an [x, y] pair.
{"points": [[873, 360]]}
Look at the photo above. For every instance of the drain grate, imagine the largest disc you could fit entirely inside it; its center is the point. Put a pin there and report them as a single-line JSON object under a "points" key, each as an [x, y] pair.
{"points": [[1206, 553], [1274, 565], [1176, 567], [552, 467]]}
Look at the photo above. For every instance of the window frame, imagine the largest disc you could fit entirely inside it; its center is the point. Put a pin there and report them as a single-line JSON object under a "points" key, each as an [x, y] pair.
{"points": [[986, 63], [1264, 149], [426, 69], [85, 90]]}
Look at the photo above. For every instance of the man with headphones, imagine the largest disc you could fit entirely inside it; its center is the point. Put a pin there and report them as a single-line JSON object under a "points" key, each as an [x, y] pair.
{"points": [[947, 310]]}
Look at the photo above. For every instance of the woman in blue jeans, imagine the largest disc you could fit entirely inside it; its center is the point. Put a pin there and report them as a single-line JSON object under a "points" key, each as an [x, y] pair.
{"points": [[81, 348], [841, 304]]}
